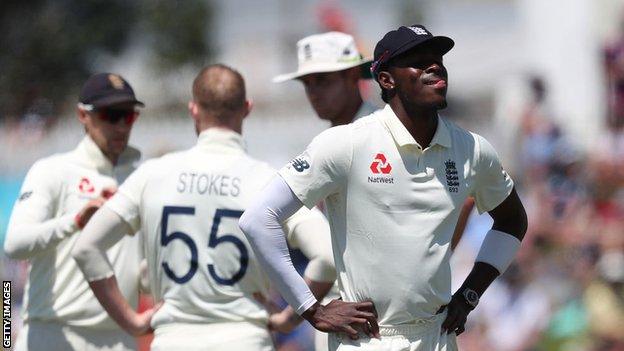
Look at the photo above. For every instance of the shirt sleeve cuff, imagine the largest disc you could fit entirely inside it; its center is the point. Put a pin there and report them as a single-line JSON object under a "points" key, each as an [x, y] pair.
{"points": [[483, 206], [118, 205]]}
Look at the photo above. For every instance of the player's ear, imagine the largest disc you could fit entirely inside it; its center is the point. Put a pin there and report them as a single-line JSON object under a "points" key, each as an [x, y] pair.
{"points": [[193, 109], [82, 115], [386, 80], [248, 107]]}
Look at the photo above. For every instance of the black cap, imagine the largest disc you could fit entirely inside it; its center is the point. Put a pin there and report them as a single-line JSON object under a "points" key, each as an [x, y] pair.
{"points": [[403, 39], [106, 89]]}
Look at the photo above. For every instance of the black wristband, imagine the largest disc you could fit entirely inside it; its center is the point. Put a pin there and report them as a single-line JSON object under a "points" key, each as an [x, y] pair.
{"points": [[468, 296]]}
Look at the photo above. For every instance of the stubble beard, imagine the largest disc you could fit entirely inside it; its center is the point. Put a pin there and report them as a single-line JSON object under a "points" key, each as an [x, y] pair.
{"points": [[413, 108]]}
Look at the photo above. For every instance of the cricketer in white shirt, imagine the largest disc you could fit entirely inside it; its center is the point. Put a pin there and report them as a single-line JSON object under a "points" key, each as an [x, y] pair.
{"points": [[60, 311], [200, 265], [392, 209], [394, 184], [380, 236], [187, 206]]}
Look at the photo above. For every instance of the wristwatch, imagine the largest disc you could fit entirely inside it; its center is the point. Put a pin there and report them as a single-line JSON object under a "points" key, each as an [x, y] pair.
{"points": [[471, 297]]}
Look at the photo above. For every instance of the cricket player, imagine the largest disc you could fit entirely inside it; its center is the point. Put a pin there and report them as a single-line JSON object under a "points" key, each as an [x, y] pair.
{"points": [[394, 183], [187, 205], [330, 68], [58, 197]]}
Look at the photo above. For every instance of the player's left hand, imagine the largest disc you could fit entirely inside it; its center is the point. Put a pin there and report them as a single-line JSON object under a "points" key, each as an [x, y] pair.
{"points": [[456, 317]]}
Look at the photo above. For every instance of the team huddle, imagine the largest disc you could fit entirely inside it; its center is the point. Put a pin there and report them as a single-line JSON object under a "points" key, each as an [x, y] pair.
{"points": [[207, 231]]}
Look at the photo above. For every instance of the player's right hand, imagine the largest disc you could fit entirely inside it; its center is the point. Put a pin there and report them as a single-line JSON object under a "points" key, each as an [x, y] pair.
{"points": [[141, 323], [344, 317], [85, 214]]}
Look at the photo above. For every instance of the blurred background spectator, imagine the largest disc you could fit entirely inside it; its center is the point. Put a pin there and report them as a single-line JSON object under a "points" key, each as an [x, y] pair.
{"points": [[547, 90]]}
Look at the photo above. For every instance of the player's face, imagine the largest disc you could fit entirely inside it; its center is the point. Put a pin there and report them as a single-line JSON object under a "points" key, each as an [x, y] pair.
{"points": [[110, 127], [327, 91], [420, 79]]}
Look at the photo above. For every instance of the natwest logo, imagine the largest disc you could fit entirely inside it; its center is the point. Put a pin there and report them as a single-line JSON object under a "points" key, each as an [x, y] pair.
{"points": [[85, 185], [380, 165]]}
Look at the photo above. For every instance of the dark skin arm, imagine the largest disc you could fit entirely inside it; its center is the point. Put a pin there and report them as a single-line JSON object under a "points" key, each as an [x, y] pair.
{"points": [[509, 217]]}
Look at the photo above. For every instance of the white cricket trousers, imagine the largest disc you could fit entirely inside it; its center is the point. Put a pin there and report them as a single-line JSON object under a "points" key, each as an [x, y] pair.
{"points": [[424, 335], [50, 336], [232, 336], [320, 341]]}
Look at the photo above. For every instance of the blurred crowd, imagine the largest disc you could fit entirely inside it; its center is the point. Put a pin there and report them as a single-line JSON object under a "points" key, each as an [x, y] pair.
{"points": [[566, 289]]}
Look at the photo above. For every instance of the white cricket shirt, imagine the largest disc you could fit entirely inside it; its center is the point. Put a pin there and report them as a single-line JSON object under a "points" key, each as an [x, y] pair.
{"points": [[365, 109], [42, 230], [187, 205], [392, 207]]}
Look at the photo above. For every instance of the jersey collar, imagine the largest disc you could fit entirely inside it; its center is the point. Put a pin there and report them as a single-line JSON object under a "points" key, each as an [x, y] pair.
{"points": [[402, 137], [89, 153], [221, 139]]}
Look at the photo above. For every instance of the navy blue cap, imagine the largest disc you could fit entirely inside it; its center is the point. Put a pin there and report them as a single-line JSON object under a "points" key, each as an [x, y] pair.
{"points": [[399, 41], [107, 89]]}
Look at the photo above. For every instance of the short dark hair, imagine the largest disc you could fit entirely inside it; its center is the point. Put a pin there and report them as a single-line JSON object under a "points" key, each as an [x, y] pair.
{"points": [[219, 90]]}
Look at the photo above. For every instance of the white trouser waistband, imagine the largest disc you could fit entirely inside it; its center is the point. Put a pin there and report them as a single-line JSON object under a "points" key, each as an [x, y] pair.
{"points": [[418, 327]]}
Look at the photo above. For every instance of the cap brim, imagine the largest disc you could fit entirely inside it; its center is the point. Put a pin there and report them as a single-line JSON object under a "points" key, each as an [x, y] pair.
{"points": [[365, 63], [441, 43], [116, 100]]}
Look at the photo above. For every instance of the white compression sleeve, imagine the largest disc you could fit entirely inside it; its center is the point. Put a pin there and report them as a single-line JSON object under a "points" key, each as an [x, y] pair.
{"points": [[261, 224], [102, 231], [498, 249]]}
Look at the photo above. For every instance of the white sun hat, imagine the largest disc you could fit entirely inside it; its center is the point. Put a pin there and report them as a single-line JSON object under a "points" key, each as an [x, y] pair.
{"points": [[327, 52]]}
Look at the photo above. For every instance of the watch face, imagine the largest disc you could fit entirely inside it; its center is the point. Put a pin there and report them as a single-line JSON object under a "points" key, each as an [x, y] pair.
{"points": [[471, 297]]}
